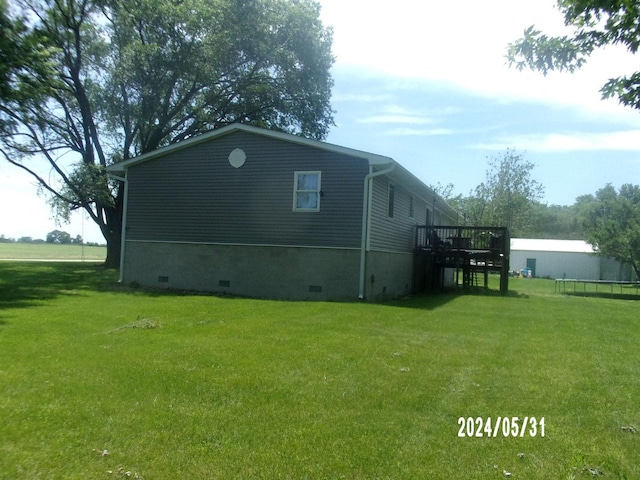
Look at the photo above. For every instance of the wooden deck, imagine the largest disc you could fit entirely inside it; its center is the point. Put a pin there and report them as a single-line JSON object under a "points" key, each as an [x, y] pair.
{"points": [[471, 251]]}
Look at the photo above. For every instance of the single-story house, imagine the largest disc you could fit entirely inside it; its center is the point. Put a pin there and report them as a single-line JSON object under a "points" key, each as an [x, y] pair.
{"points": [[574, 259], [254, 212]]}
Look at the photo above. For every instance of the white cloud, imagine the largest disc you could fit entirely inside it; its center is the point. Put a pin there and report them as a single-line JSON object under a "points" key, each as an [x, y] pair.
{"points": [[388, 118], [464, 44], [361, 98], [416, 132], [628, 140], [394, 114]]}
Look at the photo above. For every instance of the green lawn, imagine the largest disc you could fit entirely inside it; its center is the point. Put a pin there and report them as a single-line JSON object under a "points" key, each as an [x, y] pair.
{"points": [[47, 251], [103, 381]]}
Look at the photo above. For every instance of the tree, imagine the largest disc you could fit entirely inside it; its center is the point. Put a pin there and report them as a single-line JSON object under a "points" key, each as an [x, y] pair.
{"points": [[553, 221], [22, 56], [611, 221], [596, 24], [58, 236], [507, 196], [471, 208], [444, 191], [112, 79]]}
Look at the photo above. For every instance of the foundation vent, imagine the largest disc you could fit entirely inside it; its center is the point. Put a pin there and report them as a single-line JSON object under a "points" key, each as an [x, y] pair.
{"points": [[163, 279], [224, 283], [315, 288]]}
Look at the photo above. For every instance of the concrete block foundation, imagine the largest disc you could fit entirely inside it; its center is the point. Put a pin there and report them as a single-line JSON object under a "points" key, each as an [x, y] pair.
{"points": [[295, 273]]}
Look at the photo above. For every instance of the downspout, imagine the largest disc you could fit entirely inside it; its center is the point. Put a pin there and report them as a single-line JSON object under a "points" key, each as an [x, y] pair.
{"points": [[366, 206], [124, 222]]}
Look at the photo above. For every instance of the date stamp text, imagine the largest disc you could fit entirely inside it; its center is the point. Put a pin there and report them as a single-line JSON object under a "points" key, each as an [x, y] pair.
{"points": [[517, 427]]}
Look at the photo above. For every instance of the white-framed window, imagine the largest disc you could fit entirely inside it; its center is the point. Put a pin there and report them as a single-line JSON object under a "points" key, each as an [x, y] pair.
{"points": [[306, 192]]}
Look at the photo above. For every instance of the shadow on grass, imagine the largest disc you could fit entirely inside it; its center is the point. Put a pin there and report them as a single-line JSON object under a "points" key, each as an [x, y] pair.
{"points": [[24, 284], [435, 299]]}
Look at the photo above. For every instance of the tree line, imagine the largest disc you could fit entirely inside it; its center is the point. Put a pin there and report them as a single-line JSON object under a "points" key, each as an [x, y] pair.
{"points": [[58, 237], [510, 197]]}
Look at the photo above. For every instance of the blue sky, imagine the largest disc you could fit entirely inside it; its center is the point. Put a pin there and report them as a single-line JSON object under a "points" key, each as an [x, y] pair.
{"points": [[444, 135], [426, 82]]}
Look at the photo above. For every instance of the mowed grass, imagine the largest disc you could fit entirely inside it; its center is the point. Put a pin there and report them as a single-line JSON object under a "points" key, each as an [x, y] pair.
{"points": [[47, 251], [103, 381]]}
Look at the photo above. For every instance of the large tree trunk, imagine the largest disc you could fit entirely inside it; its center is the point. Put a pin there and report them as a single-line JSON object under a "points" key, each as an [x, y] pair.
{"points": [[114, 244], [112, 231], [636, 269]]}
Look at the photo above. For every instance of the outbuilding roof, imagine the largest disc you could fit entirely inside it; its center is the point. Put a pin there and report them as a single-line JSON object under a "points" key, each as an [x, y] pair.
{"points": [[551, 245]]}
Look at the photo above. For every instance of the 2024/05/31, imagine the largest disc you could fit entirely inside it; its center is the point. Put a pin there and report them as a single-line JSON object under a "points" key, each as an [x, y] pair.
{"points": [[479, 427]]}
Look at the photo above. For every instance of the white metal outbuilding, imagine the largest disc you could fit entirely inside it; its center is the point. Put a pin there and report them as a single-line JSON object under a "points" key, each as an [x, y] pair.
{"points": [[576, 259]]}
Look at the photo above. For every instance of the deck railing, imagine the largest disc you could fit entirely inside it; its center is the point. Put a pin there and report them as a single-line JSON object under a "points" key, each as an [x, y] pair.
{"points": [[455, 238]]}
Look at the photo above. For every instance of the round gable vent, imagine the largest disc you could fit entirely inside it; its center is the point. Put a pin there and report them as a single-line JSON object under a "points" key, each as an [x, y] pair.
{"points": [[237, 158]]}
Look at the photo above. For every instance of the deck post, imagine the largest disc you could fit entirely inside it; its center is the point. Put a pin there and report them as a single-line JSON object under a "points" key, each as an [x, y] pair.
{"points": [[504, 271]]}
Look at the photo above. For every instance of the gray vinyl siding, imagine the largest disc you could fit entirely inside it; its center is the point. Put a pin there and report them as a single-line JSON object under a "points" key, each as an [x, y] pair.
{"points": [[195, 195], [395, 234]]}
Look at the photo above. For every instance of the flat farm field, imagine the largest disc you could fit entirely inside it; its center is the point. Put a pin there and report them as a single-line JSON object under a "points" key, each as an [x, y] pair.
{"points": [[46, 251]]}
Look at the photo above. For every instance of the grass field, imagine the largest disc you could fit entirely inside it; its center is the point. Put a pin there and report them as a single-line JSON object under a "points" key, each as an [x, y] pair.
{"points": [[48, 251], [104, 381]]}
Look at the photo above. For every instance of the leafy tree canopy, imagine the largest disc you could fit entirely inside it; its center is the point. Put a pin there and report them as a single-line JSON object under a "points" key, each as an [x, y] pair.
{"points": [[596, 24], [611, 221], [87, 83], [553, 221], [58, 236], [506, 197]]}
